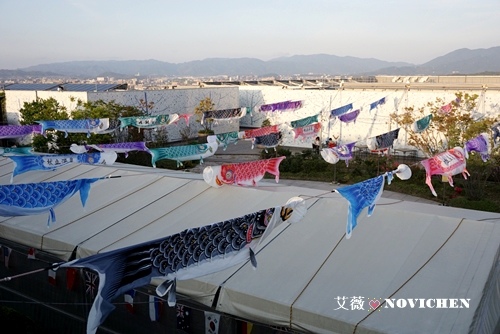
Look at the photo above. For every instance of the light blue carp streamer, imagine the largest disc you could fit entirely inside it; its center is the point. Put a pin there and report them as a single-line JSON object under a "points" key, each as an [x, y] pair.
{"points": [[181, 153], [49, 162], [71, 125], [34, 198], [361, 195], [16, 150]]}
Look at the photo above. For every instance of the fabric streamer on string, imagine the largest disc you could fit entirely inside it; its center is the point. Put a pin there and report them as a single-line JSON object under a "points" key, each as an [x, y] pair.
{"points": [[375, 104], [113, 126], [447, 108], [281, 106], [224, 139], [113, 147], [383, 141], [422, 124], [28, 199], [340, 111], [479, 144], [242, 174], [496, 133], [448, 164], [25, 150], [253, 133], [148, 122], [19, 131], [189, 254], [332, 155], [366, 194], [183, 153], [350, 117], [304, 121], [50, 162], [223, 115], [308, 131], [267, 141], [87, 126]]}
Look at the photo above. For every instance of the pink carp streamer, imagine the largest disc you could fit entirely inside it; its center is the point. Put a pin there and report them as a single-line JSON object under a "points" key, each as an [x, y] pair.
{"points": [[250, 134], [448, 163], [242, 174]]}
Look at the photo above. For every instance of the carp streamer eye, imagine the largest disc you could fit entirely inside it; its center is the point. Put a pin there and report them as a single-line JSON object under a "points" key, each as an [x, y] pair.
{"points": [[229, 174]]}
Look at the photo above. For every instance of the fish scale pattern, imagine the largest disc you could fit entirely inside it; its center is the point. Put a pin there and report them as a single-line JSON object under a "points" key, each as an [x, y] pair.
{"points": [[196, 245]]}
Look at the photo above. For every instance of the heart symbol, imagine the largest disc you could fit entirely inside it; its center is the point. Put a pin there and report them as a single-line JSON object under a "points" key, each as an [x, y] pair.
{"points": [[374, 303]]}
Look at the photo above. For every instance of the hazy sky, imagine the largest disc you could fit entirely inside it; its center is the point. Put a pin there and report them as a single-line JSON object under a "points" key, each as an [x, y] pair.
{"points": [[37, 32]]}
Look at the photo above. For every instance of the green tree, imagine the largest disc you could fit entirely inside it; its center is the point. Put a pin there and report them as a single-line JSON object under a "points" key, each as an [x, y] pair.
{"points": [[452, 129], [41, 110], [205, 105], [446, 130]]}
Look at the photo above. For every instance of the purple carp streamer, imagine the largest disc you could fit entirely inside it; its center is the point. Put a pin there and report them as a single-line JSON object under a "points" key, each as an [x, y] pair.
{"points": [[183, 153], [383, 141], [87, 126], [19, 131], [113, 147], [225, 114], [480, 144], [341, 152], [366, 194], [281, 106], [340, 111], [188, 254], [350, 117], [148, 122], [50, 162], [34, 198]]}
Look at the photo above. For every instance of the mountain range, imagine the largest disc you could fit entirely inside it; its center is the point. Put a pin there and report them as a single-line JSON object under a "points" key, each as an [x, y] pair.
{"points": [[459, 62]]}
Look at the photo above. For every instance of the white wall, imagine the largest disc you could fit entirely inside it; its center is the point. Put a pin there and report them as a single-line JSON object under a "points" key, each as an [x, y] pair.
{"points": [[368, 124]]}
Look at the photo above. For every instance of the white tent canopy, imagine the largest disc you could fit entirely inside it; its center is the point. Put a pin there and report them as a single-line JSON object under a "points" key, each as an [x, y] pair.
{"points": [[308, 273]]}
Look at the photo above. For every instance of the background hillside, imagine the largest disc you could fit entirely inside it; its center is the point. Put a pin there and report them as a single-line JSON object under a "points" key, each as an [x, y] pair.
{"points": [[462, 61]]}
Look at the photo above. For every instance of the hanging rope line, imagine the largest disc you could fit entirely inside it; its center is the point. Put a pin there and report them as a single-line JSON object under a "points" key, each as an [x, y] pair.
{"points": [[312, 278], [411, 277]]}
